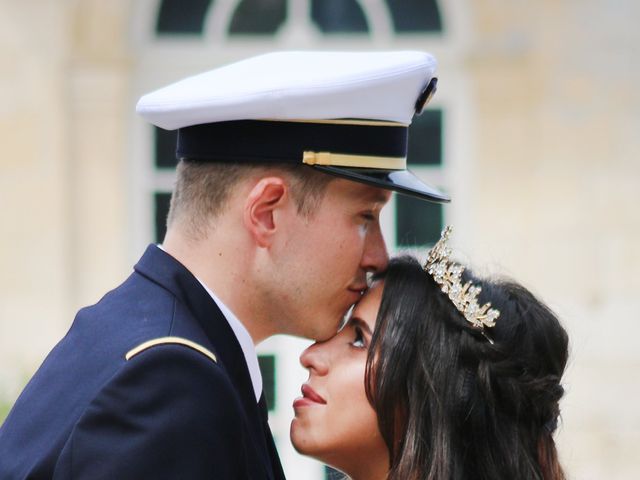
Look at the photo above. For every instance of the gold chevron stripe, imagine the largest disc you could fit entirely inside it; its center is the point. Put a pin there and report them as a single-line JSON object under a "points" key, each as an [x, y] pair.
{"points": [[170, 341]]}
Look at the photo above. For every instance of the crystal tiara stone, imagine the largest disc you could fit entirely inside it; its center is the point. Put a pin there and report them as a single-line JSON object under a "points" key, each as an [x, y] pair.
{"points": [[448, 274]]}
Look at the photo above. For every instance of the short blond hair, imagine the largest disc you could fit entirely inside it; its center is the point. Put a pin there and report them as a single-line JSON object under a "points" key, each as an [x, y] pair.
{"points": [[202, 190]]}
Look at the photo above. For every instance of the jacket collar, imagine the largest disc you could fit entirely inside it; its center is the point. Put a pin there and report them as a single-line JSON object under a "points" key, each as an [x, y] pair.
{"points": [[161, 268]]}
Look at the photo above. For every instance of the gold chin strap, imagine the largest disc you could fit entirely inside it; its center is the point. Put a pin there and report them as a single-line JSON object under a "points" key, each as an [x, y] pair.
{"points": [[358, 161], [344, 121], [170, 341]]}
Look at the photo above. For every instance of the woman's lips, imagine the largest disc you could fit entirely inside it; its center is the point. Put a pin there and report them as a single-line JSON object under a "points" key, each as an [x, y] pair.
{"points": [[309, 398], [310, 393]]}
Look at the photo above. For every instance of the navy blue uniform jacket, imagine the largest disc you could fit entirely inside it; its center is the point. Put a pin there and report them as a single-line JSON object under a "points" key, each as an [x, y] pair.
{"points": [[169, 412]]}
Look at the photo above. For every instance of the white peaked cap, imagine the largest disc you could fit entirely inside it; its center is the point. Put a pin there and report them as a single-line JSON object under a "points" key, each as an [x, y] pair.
{"points": [[294, 86], [344, 113]]}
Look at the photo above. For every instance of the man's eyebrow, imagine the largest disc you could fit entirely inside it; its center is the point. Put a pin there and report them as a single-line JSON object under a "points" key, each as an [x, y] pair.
{"points": [[378, 197], [384, 196], [358, 322], [372, 196]]}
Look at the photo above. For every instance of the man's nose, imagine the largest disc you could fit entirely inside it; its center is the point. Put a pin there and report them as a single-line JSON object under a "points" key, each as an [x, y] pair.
{"points": [[375, 257]]}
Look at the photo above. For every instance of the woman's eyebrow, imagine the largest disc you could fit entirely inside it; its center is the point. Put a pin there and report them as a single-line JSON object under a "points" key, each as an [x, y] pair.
{"points": [[357, 321]]}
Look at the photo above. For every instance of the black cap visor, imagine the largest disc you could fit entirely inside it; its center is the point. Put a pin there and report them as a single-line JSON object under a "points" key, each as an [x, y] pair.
{"points": [[401, 181], [272, 142]]}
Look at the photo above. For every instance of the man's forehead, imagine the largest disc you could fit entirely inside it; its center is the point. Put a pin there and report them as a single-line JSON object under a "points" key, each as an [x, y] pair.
{"points": [[363, 193]]}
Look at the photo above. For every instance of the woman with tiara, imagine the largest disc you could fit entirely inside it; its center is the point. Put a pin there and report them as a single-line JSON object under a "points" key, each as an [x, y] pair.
{"points": [[437, 375]]}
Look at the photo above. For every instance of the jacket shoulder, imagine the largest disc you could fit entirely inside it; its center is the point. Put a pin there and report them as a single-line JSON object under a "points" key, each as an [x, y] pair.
{"points": [[169, 412]]}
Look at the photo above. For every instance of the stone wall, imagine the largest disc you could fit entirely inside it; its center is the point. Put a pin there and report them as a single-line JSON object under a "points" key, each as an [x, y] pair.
{"points": [[557, 183], [553, 194], [63, 95]]}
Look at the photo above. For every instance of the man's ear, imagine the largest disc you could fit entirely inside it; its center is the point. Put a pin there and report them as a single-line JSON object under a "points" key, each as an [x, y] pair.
{"points": [[268, 195]]}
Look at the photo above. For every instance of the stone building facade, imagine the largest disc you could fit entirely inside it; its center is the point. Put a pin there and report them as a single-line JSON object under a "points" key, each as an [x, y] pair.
{"points": [[537, 127]]}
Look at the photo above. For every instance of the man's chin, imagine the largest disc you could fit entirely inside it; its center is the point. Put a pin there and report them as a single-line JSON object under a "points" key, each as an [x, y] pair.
{"points": [[321, 329], [328, 333], [324, 338]]}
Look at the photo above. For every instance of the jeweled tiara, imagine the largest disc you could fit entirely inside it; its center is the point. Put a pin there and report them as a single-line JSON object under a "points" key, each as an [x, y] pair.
{"points": [[448, 274]]}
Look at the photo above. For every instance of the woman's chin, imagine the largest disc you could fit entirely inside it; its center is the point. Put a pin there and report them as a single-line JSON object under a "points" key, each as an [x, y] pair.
{"points": [[302, 442], [299, 439]]}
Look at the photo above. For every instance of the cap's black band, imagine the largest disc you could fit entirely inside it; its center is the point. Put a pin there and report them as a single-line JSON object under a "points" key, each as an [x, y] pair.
{"points": [[279, 141]]}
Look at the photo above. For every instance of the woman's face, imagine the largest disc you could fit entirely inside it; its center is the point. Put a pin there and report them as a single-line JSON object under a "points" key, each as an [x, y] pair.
{"points": [[334, 421]]}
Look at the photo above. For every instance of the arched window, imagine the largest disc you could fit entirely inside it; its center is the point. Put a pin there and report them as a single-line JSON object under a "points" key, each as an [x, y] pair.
{"points": [[264, 17], [181, 37], [339, 16], [415, 16], [180, 17], [258, 17]]}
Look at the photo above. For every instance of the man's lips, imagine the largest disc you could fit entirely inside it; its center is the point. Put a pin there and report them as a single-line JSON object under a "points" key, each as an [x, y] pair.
{"points": [[358, 287], [309, 397], [358, 290]]}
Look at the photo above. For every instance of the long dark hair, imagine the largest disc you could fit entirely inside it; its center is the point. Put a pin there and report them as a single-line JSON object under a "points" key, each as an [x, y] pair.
{"points": [[452, 405]]}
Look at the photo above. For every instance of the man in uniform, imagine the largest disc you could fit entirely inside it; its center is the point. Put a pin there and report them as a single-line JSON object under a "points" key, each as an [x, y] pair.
{"points": [[286, 161]]}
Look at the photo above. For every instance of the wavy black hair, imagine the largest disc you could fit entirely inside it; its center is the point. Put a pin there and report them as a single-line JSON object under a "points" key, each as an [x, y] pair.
{"points": [[450, 404]]}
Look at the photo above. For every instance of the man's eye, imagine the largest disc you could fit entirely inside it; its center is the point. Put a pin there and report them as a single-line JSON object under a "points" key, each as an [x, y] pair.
{"points": [[369, 217], [358, 341]]}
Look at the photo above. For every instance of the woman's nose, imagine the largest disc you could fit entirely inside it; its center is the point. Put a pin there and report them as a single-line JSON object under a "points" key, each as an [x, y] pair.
{"points": [[314, 358]]}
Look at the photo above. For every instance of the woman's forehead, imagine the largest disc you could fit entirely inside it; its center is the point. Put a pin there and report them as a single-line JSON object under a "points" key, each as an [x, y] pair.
{"points": [[366, 309]]}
